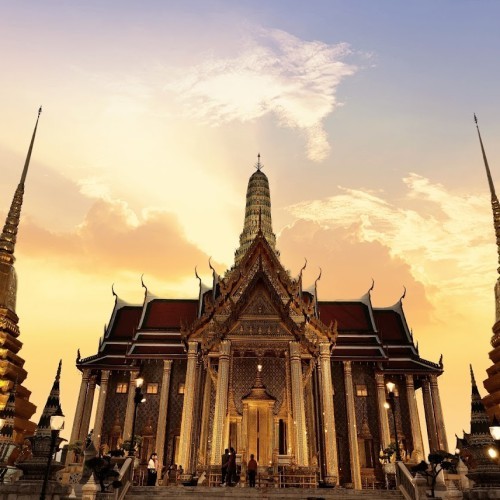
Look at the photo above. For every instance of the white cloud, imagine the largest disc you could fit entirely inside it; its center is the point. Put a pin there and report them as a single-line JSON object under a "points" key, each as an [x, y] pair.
{"points": [[275, 72], [448, 240]]}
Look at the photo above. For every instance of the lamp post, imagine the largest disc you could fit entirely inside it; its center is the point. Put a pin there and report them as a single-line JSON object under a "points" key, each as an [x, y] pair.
{"points": [[138, 398], [495, 429], [392, 403], [56, 424]]}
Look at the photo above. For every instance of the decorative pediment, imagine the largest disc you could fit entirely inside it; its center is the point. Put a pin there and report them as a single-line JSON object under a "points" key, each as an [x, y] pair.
{"points": [[259, 305], [258, 300]]}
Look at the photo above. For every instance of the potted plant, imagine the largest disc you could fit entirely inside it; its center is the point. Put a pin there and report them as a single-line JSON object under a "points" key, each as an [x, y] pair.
{"points": [[77, 448]]}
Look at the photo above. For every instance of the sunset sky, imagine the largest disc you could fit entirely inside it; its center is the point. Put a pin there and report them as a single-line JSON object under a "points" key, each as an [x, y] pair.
{"points": [[154, 113]]}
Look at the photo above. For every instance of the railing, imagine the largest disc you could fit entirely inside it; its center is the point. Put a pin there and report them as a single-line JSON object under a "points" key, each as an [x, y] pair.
{"points": [[126, 477], [406, 482]]}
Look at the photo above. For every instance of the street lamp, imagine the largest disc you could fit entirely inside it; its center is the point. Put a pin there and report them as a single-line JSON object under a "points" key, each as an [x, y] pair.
{"points": [[392, 403], [56, 424], [138, 398], [495, 429]]}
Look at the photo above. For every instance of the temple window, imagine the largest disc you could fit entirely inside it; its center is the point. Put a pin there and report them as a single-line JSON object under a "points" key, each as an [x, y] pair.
{"points": [[152, 389], [181, 388], [121, 388], [361, 390]]}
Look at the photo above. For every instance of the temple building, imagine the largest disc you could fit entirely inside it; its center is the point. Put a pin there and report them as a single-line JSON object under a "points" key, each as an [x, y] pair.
{"points": [[261, 365], [12, 372]]}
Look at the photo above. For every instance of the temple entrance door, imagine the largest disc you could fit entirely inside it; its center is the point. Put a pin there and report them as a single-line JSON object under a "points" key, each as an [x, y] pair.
{"points": [[258, 415]]}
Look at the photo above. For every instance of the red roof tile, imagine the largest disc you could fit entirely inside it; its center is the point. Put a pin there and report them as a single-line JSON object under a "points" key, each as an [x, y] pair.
{"points": [[166, 313], [351, 316], [390, 326], [125, 323]]}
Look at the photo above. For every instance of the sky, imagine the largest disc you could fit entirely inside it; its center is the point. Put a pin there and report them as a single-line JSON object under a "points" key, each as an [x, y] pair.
{"points": [[154, 113]]}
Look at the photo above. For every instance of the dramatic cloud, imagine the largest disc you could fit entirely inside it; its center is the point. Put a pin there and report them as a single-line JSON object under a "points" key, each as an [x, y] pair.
{"points": [[445, 238], [276, 73], [113, 238]]}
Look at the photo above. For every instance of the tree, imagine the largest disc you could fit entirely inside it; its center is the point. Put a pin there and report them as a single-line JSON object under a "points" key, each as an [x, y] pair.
{"points": [[104, 472], [438, 461]]}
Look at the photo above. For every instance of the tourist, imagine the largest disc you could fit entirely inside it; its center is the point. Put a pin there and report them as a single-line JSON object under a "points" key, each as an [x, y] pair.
{"points": [[252, 471], [224, 462], [231, 467], [152, 469]]}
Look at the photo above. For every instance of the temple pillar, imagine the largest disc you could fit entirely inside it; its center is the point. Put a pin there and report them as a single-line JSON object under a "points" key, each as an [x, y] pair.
{"points": [[129, 412], [429, 416], [331, 460], [80, 406], [205, 415], [352, 427], [220, 402], [416, 434], [162, 412], [87, 411], [299, 414], [438, 414], [186, 433], [383, 417], [101, 403]]}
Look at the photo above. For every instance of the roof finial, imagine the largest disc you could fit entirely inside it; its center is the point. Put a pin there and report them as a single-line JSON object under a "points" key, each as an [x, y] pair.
{"points": [[495, 205], [9, 233], [259, 166], [473, 379], [404, 294]]}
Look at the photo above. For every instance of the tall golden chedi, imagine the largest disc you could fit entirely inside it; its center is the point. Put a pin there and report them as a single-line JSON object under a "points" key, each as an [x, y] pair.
{"points": [[11, 364], [492, 383]]}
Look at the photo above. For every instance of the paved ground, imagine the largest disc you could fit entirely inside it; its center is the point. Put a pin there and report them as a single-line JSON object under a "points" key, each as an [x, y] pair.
{"points": [[201, 492]]}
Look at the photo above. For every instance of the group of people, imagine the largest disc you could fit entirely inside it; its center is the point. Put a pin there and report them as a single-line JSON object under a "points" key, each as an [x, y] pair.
{"points": [[173, 473], [229, 469]]}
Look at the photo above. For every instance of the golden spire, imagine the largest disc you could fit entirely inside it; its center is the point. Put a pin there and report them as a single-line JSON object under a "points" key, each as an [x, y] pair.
{"points": [[257, 212], [495, 205], [9, 233]]}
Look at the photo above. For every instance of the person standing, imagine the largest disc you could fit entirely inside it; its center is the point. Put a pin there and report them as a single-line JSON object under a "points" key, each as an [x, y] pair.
{"points": [[152, 469], [225, 461], [252, 471], [231, 467]]}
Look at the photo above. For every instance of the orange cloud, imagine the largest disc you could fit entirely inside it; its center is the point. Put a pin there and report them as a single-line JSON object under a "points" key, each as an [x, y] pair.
{"points": [[113, 238]]}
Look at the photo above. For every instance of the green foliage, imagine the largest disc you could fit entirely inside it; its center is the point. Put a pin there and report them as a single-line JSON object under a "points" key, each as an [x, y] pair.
{"points": [[438, 461], [103, 472]]}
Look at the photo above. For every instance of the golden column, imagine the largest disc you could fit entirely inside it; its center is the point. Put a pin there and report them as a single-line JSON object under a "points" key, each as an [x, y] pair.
{"points": [[299, 414], [87, 411], [80, 406], [162, 412], [383, 418], [101, 403], [129, 412], [416, 433], [207, 392], [188, 408], [438, 414], [220, 402], [332, 471], [352, 427], [429, 416]]}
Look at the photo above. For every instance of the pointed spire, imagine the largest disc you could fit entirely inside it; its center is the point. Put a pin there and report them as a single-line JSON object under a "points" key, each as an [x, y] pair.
{"points": [[51, 406], [9, 233], [495, 205], [258, 219], [479, 441]]}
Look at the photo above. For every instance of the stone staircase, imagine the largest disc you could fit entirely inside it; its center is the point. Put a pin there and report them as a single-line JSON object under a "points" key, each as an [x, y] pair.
{"points": [[237, 493]]}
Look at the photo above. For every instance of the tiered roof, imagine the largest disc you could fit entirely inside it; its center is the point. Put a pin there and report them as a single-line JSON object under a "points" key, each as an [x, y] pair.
{"points": [[160, 327]]}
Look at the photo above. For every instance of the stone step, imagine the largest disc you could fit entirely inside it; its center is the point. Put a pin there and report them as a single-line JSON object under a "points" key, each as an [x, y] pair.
{"points": [[203, 492]]}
